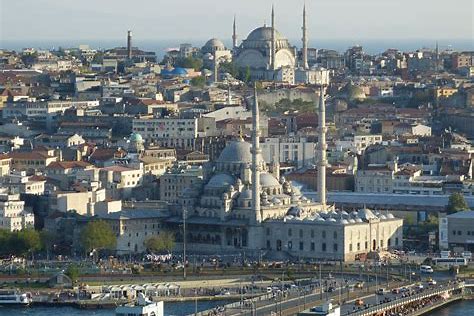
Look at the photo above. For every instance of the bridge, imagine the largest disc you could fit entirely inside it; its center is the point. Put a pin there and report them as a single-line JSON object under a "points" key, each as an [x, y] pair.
{"points": [[293, 303], [446, 293]]}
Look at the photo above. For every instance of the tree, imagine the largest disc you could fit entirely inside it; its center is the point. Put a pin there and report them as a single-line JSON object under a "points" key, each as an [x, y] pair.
{"points": [[199, 81], [189, 62], [229, 67], [457, 203], [98, 235], [30, 240], [48, 240], [73, 272], [163, 242]]}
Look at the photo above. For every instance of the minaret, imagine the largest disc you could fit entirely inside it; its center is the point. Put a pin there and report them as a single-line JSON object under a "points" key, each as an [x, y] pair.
{"points": [[437, 58], [234, 36], [273, 46], [129, 44], [322, 148], [216, 65], [305, 40], [255, 154]]}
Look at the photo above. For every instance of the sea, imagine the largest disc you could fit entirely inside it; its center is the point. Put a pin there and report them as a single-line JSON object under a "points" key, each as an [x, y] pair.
{"points": [[170, 309], [160, 47], [462, 308]]}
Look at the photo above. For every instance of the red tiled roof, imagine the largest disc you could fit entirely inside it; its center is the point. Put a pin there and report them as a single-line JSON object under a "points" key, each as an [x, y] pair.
{"points": [[68, 164]]}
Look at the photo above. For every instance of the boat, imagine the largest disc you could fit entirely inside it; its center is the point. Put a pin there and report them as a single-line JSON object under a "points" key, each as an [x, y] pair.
{"points": [[14, 297], [142, 306]]}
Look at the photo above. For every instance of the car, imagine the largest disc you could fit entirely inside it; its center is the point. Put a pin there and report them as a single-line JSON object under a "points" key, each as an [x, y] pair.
{"points": [[359, 285], [404, 289], [358, 302], [381, 291], [396, 290], [331, 289], [419, 286], [432, 282], [426, 269]]}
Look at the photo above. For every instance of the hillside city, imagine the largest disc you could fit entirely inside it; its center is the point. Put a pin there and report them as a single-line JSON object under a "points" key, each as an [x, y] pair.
{"points": [[258, 155]]}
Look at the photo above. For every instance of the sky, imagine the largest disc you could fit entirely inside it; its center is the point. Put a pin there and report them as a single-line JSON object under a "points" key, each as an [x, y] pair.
{"points": [[24, 20]]}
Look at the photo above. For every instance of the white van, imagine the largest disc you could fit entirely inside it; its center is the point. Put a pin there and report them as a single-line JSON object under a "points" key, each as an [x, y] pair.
{"points": [[426, 269]]}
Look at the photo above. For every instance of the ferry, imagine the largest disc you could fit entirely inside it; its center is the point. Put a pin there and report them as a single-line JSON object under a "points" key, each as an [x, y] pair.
{"points": [[142, 306], [13, 297]]}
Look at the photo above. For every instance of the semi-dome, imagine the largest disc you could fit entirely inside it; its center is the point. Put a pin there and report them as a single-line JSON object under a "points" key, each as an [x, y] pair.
{"points": [[220, 180], [366, 214], [268, 180], [246, 194]]}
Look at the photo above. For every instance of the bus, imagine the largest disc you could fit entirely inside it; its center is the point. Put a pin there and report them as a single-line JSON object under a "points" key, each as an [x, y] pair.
{"points": [[450, 261]]}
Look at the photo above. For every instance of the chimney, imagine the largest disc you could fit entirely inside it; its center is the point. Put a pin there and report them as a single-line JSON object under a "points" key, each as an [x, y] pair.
{"points": [[129, 44]]}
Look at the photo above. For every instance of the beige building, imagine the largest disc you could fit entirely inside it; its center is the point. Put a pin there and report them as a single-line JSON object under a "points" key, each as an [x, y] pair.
{"points": [[82, 203], [120, 180], [5, 162], [176, 181], [31, 161], [374, 179], [335, 235], [134, 227]]}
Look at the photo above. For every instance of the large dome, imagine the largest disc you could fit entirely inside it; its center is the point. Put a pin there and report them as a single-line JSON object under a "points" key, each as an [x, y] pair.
{"points": [[261, 38], [236, 152], [212, 45], [263, 33]]}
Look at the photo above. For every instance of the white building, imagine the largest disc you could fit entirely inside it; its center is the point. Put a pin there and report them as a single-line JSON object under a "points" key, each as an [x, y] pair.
{"points": [[175, 132], [12, 213], [296, 150], [358, 143]]}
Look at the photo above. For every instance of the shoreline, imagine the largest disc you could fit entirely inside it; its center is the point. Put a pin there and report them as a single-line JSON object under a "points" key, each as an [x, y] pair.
{"points": [[97, 305]]}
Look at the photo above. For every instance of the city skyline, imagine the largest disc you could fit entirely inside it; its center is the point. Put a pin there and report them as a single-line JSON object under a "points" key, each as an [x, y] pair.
{"points": [[108, 20]]}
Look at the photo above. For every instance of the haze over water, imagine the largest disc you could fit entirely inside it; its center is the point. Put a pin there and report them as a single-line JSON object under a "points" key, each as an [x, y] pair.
{"points": [[371, 46]]}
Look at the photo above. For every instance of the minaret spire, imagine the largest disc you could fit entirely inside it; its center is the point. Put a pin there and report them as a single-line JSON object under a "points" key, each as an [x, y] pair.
{"points": [[322, 146], [305, 40], [273, 46], [216, 68], [255, 154], [234, 35]]}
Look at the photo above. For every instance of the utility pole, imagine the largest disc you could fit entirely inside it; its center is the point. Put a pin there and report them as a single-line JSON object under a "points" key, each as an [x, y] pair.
{"points": [[320, 283], [184, 243]]}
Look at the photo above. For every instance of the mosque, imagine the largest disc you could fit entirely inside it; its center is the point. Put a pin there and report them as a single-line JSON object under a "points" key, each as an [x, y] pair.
{"points": [[267, 54], [243, 205]]}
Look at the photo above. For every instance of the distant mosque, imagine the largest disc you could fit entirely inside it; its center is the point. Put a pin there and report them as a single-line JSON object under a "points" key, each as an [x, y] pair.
{"points": [[270, 56]]}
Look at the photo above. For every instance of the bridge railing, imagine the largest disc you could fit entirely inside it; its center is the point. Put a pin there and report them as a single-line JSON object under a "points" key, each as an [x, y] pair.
{"points": [[406, 300]]}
